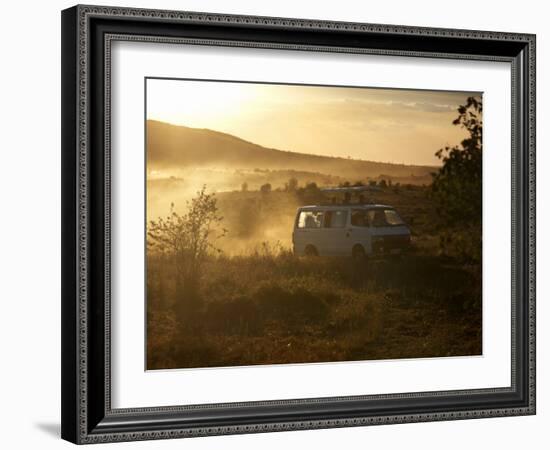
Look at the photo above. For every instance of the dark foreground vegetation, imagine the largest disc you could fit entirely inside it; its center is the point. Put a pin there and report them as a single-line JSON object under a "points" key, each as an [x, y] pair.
{"points": [[274, 308]]}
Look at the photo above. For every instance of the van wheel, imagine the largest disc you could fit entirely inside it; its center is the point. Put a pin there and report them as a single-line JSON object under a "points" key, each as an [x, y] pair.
{"points": [[358, 253], [310, 251]]}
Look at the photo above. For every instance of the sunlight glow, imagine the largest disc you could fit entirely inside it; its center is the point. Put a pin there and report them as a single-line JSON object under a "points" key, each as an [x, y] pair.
{"points": [[387, 125]]}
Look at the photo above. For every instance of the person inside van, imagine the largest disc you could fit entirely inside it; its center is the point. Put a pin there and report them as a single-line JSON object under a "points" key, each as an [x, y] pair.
{"points": [[310, 221], [359, 218], [378, 219]]}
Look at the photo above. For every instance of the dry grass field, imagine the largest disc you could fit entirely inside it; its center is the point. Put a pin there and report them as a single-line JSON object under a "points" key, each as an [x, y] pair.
{"points": [[259, 304]]}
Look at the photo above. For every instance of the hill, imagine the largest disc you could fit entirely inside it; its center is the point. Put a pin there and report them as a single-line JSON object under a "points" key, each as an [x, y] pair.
{"points": [[174, 146]]}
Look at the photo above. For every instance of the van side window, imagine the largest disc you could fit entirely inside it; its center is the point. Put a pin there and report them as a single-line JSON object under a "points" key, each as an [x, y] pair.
{"points": [[377, 218], [359, 218], [335, 219], [310, 219]]}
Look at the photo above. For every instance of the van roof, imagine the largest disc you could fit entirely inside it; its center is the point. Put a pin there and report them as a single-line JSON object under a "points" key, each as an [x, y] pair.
{"points": [[340, 206]]}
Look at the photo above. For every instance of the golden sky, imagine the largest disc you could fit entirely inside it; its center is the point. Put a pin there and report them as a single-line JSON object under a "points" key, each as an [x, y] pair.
{"points": [[390, 125]]}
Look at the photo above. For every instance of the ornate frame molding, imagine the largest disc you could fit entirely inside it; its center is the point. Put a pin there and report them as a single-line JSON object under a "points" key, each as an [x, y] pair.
{"points": [[79, 423]]}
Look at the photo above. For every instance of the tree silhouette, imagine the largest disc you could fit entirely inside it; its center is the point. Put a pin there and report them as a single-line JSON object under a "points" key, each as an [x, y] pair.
{"points": [[457, 186], [292, 185], [265, 188], [187, 239]]}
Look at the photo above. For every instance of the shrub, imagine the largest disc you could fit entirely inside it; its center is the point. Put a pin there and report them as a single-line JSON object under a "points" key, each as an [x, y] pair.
{"points": [[265, 188], [456, 187], [187, 239]]}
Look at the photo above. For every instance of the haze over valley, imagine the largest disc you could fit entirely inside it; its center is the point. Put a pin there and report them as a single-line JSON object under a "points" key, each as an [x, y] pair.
{"points": [[181, 159]]}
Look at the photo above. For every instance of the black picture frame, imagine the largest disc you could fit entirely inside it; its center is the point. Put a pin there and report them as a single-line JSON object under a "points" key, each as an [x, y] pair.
{"points": [[87, 416]]}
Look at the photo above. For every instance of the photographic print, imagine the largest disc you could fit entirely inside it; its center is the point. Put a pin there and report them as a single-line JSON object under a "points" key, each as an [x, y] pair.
{"points": [[255, 207], [294, 223]]}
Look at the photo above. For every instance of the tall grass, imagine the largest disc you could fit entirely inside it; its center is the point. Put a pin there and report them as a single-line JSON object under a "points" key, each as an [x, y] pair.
{"points": [[271, 308]]}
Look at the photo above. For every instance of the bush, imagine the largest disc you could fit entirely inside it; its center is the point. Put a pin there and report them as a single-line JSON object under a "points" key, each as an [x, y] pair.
{"points": [[457, 186], [265, 188], [187, 240]]}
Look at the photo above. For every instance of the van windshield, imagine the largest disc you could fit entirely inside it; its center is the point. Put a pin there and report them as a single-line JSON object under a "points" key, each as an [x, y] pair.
{"points": [[392, 217], [384, 218]]}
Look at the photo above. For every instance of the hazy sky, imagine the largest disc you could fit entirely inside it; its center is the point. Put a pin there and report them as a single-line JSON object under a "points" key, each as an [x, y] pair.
{"points": [[391, 125]]}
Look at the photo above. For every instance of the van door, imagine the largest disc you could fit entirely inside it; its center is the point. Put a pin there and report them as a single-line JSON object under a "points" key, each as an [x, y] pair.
{"points": [[336, 236], [359, 229]]}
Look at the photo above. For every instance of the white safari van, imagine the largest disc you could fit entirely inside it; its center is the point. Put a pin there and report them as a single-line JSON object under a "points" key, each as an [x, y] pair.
{"points": [[357, 230]]}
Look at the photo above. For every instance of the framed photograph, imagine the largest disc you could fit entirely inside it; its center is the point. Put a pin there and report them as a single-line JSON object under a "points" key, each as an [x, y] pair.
{"points": [[278, 224]]}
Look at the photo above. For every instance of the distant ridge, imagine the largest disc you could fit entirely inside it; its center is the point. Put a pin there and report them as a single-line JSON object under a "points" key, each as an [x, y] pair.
{"points": [[180, 146]]}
